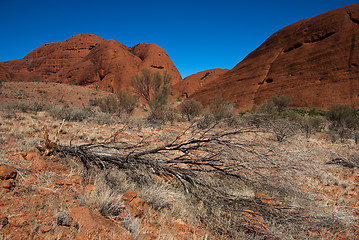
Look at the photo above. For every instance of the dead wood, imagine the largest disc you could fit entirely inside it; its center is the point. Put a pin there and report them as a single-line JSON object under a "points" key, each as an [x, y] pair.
{"points": [[210, 165]]}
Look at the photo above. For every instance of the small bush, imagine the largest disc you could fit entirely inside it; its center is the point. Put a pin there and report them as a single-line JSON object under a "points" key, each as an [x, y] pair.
{"points": [[132, 225], [190, 108], [206, 121], [281, 102], [162, 114], [106, 198], [222, 110], [343, 116], [108, 104], [312, 124], [292, 115], [126, 102], [155, 89], [159, 197], [282, 129], [267, 109]]}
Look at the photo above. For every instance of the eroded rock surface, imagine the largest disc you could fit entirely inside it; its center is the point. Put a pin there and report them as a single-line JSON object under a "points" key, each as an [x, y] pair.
{"points": [[315, 61], [89, 60]]}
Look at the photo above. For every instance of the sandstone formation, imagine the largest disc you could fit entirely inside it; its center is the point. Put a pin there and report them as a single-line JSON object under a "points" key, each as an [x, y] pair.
{"points": [[89, 60], [195, 82], [315, 61]]}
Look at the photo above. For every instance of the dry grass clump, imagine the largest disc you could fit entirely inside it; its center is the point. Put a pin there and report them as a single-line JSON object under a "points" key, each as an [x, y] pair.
{"points": [[62, 218], [133, 225], [106, 198]]}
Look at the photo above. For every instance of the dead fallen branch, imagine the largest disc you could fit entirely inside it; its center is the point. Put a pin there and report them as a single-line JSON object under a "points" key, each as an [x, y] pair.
{"points": [[214, 167]]}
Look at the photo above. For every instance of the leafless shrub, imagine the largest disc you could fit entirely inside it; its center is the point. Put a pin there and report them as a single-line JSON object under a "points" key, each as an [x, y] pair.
{"points": [[206, 121], [312, 124], [282, 129], [102, 118]]}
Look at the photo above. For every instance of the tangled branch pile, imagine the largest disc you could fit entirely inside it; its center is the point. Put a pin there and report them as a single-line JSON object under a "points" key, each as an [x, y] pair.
{"points": [[221, 171]]}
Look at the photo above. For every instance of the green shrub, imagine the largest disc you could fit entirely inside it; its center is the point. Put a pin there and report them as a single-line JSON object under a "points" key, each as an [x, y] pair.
{"points": [[294, 115], [190, 108], [316, 112]]}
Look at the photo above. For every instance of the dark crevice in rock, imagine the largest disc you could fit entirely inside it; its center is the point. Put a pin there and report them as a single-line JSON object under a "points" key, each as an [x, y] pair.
{"points": [[318, 37], [352, 47], [205, 75], [102, 76], [354, 19], [313, 38], [295, 46], [158, 67], [91, 47]]}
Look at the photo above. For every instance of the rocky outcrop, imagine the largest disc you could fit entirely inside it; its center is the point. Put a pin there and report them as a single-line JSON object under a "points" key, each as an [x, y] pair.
{"points": [[89, 60], [315, 61], [197, 81]]}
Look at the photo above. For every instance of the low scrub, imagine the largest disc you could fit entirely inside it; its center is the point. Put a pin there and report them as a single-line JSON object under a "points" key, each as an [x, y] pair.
{"points": [[70, 113], [190, 108], [25, 106]]}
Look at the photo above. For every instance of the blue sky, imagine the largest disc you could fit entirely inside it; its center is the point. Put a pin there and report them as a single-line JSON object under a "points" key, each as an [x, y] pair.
{"points": [[197, 35]]}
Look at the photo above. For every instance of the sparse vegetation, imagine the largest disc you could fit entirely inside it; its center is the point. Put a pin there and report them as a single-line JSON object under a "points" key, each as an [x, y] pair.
{"points": [[210, 166], [222, 110], [155, 90], [127, 103], [25, 106], [190, 108], [252, 180], [70, 113], [281, 102], [108, 104]]}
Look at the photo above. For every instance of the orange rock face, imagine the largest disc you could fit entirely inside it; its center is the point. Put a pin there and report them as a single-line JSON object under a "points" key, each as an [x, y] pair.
{"points": [[197, 81], [315, 61], [89, 60]]}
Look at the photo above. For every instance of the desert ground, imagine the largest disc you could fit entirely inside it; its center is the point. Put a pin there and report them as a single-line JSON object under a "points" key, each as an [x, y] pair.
{"points": [[105, 176]]}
